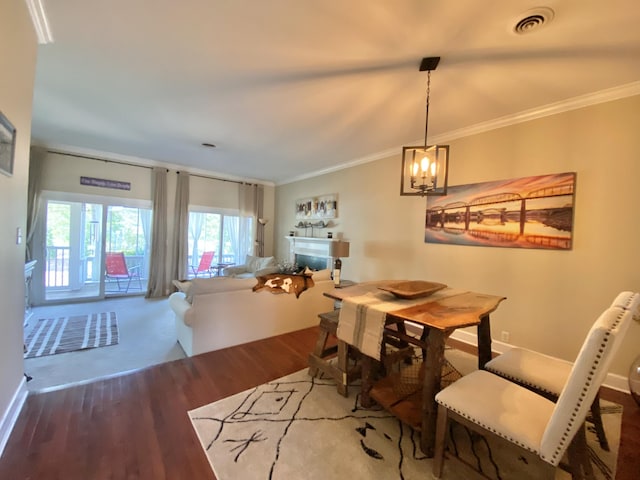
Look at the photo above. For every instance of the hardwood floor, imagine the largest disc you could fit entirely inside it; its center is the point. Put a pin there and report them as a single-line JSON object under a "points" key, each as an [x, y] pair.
{"points": [[136, 427]]}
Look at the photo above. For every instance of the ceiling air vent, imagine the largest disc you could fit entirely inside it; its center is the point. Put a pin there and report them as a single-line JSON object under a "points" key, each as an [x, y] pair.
{"points": [[533, 20]]}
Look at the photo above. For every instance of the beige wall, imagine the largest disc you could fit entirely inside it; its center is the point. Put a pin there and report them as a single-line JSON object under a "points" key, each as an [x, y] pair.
{"points": [[62, 172], [18, 50], [553, 297]]}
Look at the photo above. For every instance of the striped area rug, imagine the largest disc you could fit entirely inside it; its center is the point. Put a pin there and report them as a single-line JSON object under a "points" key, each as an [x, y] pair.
{"points": [[48, 336]]}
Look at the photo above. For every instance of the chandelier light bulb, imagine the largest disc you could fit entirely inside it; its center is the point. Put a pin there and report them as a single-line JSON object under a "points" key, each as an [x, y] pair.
{"points": [[425, 165]]}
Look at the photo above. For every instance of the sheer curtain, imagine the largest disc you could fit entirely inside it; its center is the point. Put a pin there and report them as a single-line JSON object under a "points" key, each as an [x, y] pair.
{"points": [[157, 286], [196, 222], [36, 165], [180, 231], [247, 204]]}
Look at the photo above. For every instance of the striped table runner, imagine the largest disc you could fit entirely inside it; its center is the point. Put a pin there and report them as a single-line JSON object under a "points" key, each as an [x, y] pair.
{"points": [[362, 318]]}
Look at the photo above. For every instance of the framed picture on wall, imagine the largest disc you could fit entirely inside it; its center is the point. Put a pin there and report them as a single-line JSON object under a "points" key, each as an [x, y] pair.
{"points": [[7, 145], [313, 208], [527, 212]]}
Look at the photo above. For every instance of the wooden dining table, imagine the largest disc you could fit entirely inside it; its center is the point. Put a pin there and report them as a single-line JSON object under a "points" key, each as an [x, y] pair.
{"points": [[439, 315]]}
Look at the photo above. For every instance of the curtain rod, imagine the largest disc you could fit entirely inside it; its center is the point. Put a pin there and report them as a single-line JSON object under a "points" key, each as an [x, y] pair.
{"points": [[222, 179], [77, 155]]}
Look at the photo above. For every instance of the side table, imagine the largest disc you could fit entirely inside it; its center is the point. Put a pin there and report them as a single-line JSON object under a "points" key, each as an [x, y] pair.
{"points": [[218, 267]]}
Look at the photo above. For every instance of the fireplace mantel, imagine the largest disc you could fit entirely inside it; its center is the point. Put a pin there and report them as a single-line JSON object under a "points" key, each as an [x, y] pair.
{"points": [[312, 247]]}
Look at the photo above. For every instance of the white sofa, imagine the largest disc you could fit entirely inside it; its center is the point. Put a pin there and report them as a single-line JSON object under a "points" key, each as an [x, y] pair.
{"points": [[219, 312]]}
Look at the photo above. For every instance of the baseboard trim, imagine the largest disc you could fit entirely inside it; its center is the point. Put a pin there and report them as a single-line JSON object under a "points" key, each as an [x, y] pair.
{"points": [[11, 414], [468, 341]]}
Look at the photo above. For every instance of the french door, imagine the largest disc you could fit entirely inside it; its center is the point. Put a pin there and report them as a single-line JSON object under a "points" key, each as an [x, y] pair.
{"points": [[81, 236]]}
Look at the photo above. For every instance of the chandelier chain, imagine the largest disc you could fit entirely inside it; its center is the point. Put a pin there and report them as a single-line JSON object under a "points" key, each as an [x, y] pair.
{"points": [[426, 120]]}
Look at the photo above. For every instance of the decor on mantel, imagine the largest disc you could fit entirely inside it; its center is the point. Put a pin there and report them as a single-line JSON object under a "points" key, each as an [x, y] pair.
{"points": [[425, 168], [528, 212], [323, 206], [312, 225]]}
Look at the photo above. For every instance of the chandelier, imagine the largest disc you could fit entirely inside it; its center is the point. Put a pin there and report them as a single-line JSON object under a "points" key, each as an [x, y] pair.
{"points": [[425, 168]]}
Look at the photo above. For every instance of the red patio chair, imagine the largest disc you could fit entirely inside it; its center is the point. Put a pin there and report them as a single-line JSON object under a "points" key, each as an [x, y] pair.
{"points": [[205, 264], [116, 268]]}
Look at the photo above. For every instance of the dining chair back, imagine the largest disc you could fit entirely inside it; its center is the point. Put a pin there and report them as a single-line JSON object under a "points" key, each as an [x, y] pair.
{"points": [[628, 301], [587, 375], [492, 404], [548, 375]]}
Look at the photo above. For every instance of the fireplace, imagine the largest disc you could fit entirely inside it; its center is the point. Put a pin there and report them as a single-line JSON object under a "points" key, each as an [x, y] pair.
{"points": [[311, 251]]}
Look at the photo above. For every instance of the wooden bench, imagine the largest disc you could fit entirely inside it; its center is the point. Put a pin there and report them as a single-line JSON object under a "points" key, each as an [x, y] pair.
{"points": [[320, 360]]}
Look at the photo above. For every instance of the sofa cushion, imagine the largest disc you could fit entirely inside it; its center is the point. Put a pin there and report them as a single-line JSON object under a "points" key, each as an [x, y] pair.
{"points": [[235, 270], [201, 286]]}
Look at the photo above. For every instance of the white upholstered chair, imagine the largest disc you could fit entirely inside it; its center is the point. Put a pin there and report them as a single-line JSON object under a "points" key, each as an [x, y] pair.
{"points": [[547, 375], [491, 404]]}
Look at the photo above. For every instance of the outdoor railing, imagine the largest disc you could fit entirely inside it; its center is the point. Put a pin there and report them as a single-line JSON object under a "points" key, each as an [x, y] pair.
{"points": [[57, 267], [58, 261]]}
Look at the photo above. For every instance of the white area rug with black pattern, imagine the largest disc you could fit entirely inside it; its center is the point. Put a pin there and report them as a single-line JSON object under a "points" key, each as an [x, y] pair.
{"points": [[298, 427]]}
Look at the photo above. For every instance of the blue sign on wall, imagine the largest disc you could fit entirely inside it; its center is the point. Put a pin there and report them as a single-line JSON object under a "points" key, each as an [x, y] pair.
{"points": [[101, 182]]}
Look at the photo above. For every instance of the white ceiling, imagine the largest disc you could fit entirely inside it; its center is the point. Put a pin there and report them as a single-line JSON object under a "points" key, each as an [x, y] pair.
{"points": [[286, 88]]}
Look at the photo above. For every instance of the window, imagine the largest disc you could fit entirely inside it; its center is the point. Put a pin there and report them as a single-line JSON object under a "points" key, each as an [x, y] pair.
{"points": [[228, 235]]}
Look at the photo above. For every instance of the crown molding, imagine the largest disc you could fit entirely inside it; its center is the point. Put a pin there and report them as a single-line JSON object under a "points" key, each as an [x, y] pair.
{"points": [[608, 95], [62, 149], [575, 103]]}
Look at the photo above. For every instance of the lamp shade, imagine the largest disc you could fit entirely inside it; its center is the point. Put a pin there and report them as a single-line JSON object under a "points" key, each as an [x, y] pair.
{"points": [[339, 249]]}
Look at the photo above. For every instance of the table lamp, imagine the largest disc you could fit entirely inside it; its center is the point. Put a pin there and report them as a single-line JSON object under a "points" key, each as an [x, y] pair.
{"points": [[339, 248]]}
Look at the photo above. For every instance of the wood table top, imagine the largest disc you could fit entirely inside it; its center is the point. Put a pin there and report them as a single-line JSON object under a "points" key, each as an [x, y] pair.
{"points": [[447, 309]]}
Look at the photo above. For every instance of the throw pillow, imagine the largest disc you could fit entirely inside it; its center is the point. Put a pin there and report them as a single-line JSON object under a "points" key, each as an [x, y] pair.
{"points": [[253, 263], [266, 262], [322, 275]]}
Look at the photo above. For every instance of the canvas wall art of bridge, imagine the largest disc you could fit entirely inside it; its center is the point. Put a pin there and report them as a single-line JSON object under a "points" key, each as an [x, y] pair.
{"points": [[527, 212]]}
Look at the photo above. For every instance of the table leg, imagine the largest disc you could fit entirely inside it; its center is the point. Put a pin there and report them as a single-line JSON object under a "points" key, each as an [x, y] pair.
{"points": [[484, 342], [432, 376], [367, 381]]}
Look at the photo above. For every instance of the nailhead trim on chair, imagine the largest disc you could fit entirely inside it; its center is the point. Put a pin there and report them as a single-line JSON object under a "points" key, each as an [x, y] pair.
{"points": [[565, 436], [630, 301]]}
